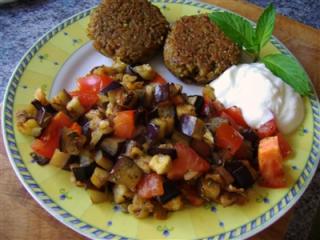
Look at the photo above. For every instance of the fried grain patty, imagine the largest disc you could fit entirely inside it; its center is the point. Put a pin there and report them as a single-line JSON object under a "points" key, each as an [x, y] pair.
{"points": [[132, 30], [197, 51]]}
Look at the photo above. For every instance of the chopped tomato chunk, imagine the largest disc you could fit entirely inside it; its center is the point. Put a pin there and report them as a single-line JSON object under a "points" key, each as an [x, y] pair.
{"points": [[87, 99], [124, 124], [151, 185], [267, 129], [159, 79], [228, 138], [285, 148], [93, 83], [187, 160], [49, 140], [236, 114], [270, 163]]}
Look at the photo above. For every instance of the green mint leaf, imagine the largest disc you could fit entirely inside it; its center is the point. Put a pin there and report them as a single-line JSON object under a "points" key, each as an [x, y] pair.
{"points": [[265, 26], [290, 71], [237, 29]]}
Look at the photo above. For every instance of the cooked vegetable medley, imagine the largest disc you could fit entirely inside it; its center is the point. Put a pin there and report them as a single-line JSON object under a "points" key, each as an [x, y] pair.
{"points": [[132, 138]]}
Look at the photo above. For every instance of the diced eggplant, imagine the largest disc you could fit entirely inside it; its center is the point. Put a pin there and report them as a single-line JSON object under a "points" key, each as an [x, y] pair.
{"points": [[44, 113], [84, 172], [99, 177], [201, 147], [251, 136], [128, 100], [161, 93], [112, 146], [185, 109], [162, 125], [171, 191], [102, 161], [140, 134], [149, 95], [59, 159], [126, 172], [165, 150], [60, 101], [215, 122], [71, 142], [145, 71], [178, 137], [197, 102], [73, 159], [140, 208], [166, 111], [192, 126], [38, 105], [153, 131], [243, 177], [140, 116], [40, 160], [174, 204], [209, 189], [74, 107], [114, 85]]}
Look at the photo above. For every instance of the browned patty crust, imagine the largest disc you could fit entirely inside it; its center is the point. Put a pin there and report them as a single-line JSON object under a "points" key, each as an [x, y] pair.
{"points": [[197, 51], [130, 29]]}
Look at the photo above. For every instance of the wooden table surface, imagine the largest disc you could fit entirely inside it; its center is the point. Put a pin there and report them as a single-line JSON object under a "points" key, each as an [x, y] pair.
{"points": [[22, 218]]}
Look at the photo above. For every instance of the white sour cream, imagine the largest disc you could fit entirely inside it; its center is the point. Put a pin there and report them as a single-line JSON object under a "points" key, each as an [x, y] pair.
{"points": [[260, 95]]}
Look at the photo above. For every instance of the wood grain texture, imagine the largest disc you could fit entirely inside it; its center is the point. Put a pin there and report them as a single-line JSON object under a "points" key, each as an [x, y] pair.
{"points": [[22, 218]]}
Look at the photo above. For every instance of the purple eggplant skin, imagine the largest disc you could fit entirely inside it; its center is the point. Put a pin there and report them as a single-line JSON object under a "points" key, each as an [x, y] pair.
{"points": [[192, 126], [83, 173], [44, 113], [40, 160], [197, 102], [240, 173], [48, 108], [112, 86], [153, 131], [161, 93], [73, 159], [171, 191], [172, 152]]}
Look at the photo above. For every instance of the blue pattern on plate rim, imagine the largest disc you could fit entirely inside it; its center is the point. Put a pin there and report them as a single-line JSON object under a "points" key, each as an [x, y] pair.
{"points": [[245, 230]]}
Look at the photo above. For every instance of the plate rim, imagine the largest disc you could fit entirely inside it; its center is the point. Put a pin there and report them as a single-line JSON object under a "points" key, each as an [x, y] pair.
{"points": [[55, 211]]}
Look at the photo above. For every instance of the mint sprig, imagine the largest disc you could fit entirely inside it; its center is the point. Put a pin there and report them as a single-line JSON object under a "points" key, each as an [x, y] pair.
{"points": [[252, 40], [289, 70]]}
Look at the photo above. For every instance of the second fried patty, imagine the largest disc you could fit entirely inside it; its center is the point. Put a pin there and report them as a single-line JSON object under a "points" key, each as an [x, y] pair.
{"points": [[132, 30], [197, 51]]}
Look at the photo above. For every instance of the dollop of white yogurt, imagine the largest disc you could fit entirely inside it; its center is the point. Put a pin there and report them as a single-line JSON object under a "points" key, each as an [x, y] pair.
{"points": [[260, 95]]}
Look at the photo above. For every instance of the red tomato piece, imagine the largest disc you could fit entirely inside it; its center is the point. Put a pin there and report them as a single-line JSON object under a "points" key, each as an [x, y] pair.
{"points": [[87, 99], [228, 138], [49, 139], [76, 128], [151, 185], [236, 114], [267, 129], [270, 163], [159, 79], [93, 83], [124, 124], [285, 148], [187, 160]]}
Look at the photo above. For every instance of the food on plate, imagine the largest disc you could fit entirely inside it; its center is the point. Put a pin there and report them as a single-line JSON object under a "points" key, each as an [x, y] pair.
{"points": [[197, 51], [133, 30], [261, 96], [130, 137]]}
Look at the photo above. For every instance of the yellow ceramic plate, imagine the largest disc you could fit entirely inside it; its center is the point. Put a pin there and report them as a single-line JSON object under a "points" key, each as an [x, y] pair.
{"points": [[63, 55]]}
